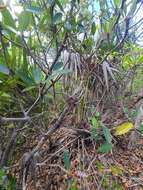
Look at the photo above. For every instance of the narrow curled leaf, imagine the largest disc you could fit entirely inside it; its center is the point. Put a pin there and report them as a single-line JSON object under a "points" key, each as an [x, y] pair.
{"points": [[108, 70], [123, 128]]}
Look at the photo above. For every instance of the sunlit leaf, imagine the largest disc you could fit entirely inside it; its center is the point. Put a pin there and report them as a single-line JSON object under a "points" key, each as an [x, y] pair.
{"points": [[95, 123], [34, 10], [106, 27], [29, 88], [123, 128], [117, 3], [8, 18]]}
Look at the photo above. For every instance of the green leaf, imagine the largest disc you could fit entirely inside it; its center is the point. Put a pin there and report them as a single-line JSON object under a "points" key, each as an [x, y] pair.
{"points": [[105, 148], [59, 5], [57, 73], [8, 18], [67, 162], [37, 74], [24, 76], [117, 3], [107, 134], [94, 133], [57, 18], [12, 183], [58, 66], [29, 88], [106, 27], [95, 123], [34, 10], [4, 69], [24, 20], [140, 60], [93, 28], [141, 128]]}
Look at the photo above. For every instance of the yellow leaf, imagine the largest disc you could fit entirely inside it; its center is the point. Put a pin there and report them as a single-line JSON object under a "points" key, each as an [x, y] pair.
{"points": [[116, 171], [123, 128]]}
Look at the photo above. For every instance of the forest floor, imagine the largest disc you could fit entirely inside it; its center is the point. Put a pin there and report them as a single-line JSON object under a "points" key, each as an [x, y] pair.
{"points": [[71, 161]]}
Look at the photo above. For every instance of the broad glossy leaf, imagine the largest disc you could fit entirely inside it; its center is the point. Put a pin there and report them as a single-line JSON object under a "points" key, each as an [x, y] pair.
{"points": [[123, 128]]}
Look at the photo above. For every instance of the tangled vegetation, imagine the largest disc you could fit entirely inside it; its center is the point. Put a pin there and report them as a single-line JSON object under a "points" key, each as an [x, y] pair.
{"points": [[70, 94]]}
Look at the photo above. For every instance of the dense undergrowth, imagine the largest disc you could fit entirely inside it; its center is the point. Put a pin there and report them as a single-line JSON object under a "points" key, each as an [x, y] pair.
{"points": [[71, 95]]}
